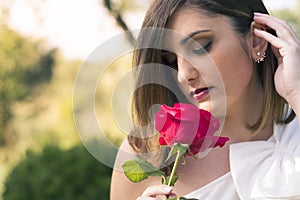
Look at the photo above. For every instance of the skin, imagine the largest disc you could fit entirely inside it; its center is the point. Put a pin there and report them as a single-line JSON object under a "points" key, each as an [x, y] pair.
{"points": [[240, 93], [287, 50], [242, 87]]}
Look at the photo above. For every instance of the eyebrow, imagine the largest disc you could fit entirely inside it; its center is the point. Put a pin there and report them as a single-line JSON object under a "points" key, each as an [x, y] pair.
{"points": [[184, 40]]}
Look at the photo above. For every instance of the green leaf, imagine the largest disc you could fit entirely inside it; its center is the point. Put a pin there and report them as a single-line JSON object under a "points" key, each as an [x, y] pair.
{"points": [[137, 170], [177, 147], [164, 180], [181, 198], [174, 179]]}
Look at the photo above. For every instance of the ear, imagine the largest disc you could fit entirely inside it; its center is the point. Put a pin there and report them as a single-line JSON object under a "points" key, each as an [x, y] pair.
{"points": [[258, 45]]}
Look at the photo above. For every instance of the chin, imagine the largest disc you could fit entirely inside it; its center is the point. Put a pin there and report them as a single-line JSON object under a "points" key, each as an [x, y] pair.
{"points": [[205, 106], [217, 109]]}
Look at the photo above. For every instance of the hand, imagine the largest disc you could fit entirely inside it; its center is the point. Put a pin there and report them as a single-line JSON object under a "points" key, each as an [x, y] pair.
{"points": [[157, 192], [286, 48]]}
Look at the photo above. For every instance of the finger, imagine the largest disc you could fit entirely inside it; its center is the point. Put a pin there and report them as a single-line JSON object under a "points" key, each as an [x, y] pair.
{"points": [[146, 198], [261, 16], [282, 28], [277, 44], [276, 52], [265, 19], [156, 190], [160, 197], [275, 41]]}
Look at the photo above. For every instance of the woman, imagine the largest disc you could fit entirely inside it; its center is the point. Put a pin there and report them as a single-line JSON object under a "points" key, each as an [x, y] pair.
{"points": [[258, 59]]}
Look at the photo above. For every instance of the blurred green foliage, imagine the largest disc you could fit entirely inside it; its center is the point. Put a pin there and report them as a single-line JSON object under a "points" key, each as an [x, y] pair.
{"points": [[24, 64], [58, 174], [126, 5], [39, 101], [36, 86], [292, 16]]}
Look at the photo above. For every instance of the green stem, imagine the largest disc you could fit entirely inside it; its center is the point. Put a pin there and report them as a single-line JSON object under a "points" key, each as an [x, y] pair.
{"points": [[174, 169]]}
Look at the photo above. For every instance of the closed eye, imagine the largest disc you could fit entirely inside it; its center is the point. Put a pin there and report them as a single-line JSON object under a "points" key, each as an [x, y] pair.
{"points": [[204, 49]]}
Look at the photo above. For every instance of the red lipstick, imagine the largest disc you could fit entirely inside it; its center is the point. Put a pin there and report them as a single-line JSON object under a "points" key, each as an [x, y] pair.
{"points": [[200, 93]]}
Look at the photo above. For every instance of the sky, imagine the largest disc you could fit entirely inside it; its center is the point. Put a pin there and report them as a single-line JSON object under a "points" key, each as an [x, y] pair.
{"points": [[77, 27]]}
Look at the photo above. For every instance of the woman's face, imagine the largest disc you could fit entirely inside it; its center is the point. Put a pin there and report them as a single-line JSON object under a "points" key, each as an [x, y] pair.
{"points": [[214, 69]]}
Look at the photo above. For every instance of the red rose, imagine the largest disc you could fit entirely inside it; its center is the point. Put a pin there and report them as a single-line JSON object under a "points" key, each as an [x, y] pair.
{"points": [[187, 124]]}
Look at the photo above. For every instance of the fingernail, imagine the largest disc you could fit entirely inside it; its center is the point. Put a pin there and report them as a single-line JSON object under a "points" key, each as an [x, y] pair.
{"points": [[256, 30], [172, 195], [167, 188]]}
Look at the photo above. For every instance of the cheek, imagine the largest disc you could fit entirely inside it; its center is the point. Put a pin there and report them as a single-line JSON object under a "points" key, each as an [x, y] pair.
{"points": [[236, 70], [184, 89]]}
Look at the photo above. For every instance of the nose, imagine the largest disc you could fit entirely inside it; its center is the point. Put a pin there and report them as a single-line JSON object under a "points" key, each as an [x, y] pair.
{"points": [[187, 73]]}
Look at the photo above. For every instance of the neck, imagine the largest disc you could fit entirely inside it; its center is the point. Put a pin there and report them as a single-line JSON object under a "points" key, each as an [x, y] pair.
{"points": [[242, 115]]}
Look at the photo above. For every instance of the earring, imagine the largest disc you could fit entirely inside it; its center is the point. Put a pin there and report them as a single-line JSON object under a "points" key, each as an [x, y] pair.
{"points": [[260, 58]]}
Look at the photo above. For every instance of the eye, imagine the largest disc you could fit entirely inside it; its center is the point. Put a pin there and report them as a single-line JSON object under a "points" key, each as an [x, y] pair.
{"points": [[204, 49], [169, 58]]}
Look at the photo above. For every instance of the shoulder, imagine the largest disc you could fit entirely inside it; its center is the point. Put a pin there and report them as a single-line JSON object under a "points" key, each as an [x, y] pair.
{"points": [[121, 186], [125, 152], [272, 167], [287, 136]]}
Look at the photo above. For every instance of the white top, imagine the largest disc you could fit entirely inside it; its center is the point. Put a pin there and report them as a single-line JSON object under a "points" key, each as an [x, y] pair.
{"points": [[260, 169]]}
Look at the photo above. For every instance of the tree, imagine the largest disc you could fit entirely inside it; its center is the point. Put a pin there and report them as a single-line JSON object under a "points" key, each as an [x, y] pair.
{"points": [[24, 65], [58, 174], [117, 11], [292, 16], [118, 16]]}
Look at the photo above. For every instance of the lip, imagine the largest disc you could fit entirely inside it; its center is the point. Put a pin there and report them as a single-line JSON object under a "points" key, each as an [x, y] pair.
{"points": [[200, 93]]}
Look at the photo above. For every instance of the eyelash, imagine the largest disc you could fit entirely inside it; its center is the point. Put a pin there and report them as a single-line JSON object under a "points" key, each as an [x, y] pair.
{"points": [[204, 49], [200, 51]]}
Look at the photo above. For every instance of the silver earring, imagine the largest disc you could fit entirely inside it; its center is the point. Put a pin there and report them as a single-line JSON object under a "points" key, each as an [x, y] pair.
{"points": [[260, 58]]}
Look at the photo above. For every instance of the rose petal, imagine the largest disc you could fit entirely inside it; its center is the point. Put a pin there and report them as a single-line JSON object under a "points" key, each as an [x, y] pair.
{"points": [[160, 119], [162, 141], [187, 124], [221, 141], [186, 132]]}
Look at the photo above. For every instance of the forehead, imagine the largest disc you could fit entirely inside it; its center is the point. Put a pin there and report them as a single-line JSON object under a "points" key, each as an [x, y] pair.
{"points": [[187, 20], [190, 20]]}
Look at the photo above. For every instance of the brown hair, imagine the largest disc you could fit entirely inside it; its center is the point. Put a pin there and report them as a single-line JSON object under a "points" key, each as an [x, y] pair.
{"points": [[240, 13]]}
